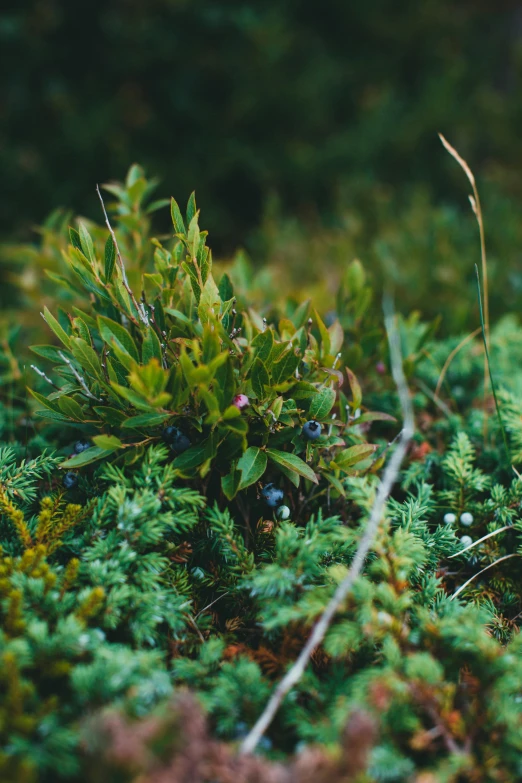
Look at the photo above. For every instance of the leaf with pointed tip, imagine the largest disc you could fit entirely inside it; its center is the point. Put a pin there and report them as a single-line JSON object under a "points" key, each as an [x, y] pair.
{"points": [[86, 243], [146, 420], [191, 207], [75, 238], [46, 351], [107, 442], [292, 462], [252, 465], [86, 357], [322, 403], [110, 257], [112, 331], [71, 408], [259, 378], [230, 483], [263, 343], [53, 324], [354, 454], [151, 348], [356, 389], [86, 457], [285, 367], [177, 219]]}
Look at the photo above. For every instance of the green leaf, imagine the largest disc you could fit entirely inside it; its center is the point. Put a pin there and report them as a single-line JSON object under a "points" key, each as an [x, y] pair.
{"points": [[230, 483], [86, 243], [356, 389], [304, 391], [226, 289], [53, 416], [335, 483], [86, 457], [259, 378], [133, 397], [49, 404], [47, 351], [86, 357], [111, 331], [193, 457], [285, 367], [110, 415], [292, 462], [191, 207], [110, 257], [252, 466], [107, 442], [82, 329], [263, 343], [146, 420], [193, 236], [71, 408], [354, 454], [325, 335], [194, 280], [291, 475], [75, 238], [209, 303], [151, 348], [322, 403], [53, 324], [177, 219]]}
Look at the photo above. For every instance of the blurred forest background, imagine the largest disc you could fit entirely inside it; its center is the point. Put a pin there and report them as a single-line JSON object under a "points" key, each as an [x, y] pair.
{"points": [[309, 130]]}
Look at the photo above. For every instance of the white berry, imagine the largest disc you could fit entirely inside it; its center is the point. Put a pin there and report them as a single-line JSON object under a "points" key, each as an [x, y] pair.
{"points": [[466, 519], [466, 541], [283, 512], [449, 518]]}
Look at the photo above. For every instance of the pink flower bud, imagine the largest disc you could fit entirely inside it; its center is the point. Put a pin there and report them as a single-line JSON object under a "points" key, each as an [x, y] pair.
{"points": [[241, 401], [380, 367]]}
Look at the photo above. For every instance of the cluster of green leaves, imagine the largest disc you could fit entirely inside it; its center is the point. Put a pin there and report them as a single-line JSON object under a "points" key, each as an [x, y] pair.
{"points": [[181, 354]]}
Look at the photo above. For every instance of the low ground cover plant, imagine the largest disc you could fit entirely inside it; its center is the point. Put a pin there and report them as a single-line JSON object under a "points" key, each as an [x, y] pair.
{"points": [[185, 486]]}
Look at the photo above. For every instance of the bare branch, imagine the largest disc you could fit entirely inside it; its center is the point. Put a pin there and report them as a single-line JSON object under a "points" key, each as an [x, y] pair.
{"points": [[44, 376], [139, 307], [78, 377], [295, 673]]}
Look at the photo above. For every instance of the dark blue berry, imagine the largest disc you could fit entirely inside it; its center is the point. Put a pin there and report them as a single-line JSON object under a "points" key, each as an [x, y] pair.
{"points": [[180, 444], [311, 430], [70, 480], [81, 445], [272, 496], [170, 434]]}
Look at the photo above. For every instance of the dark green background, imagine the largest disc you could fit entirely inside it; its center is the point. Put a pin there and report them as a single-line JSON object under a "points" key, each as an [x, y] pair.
{"points": [[244, 99]]}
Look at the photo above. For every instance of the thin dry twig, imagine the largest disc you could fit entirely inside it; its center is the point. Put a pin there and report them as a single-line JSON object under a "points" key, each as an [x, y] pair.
{"points": [[295, 673], [140, 310], [44, 376], [78, 377], [452, 355], [480, 540], [500, 560]]}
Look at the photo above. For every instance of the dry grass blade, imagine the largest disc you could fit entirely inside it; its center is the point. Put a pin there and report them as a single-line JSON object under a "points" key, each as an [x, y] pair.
{"points": [[391, 472], [480, 540], [452, 355], [500, 560], [477, 210]]}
